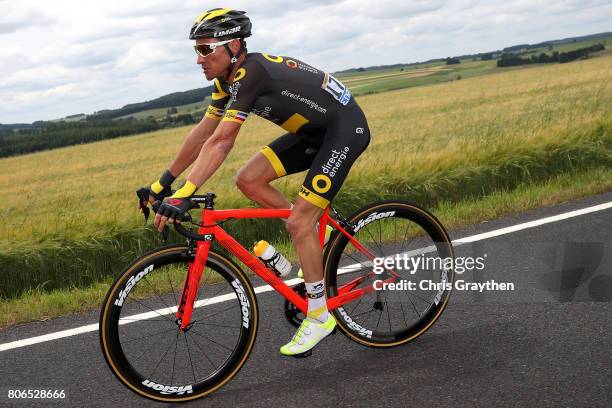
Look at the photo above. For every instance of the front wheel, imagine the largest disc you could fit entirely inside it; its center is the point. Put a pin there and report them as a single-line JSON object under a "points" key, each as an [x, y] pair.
{"points": [[410, 245], [141, 338]]}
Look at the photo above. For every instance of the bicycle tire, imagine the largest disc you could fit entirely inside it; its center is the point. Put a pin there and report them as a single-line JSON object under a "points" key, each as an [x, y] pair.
{"points": [[123, 299], [432, 234]]}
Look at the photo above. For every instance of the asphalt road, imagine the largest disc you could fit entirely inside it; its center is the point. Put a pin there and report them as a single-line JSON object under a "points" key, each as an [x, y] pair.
{"points": [[545, 344]]}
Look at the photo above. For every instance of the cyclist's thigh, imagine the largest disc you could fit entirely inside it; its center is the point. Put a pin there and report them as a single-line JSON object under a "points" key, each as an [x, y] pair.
{"points": [[344, 141], [291, 153]]}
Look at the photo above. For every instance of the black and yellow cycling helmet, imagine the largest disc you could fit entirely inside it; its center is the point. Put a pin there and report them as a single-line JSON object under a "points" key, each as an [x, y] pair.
{"points": [[221, 23]]}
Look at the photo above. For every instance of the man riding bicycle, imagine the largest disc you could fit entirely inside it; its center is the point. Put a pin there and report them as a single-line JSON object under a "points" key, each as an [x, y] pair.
{"points": [[327, 131]]}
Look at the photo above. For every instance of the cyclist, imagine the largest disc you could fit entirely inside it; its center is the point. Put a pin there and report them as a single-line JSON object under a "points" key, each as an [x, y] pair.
{"points": [[326, 132]]}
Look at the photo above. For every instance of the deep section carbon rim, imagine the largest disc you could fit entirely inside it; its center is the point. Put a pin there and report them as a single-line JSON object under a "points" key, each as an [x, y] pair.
{"points": [[411, 246], [141, 337]]}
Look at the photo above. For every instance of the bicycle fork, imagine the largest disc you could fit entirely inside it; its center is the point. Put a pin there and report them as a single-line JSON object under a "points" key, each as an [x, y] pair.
{"points": [[191, 284]]}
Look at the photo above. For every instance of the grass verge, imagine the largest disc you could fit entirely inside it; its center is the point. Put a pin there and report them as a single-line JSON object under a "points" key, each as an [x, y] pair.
{"points": [[36, 304]]}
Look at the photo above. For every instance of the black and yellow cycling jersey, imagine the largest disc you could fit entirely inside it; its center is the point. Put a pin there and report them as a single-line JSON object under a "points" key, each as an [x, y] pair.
{"points": [[327, 130]]}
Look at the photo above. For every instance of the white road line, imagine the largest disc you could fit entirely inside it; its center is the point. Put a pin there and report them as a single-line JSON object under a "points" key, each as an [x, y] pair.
{"points": [[266, 288]]}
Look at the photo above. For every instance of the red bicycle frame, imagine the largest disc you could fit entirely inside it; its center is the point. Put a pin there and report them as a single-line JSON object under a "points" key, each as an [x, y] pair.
{"points": [[209, 227]]}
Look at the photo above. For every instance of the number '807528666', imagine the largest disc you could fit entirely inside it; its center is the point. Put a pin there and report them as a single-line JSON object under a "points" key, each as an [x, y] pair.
{"points": [[36, 394]]}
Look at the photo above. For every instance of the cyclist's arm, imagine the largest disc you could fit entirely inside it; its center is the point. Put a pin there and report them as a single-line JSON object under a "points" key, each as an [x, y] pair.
{"points": [[213, 152], [193, 144]]}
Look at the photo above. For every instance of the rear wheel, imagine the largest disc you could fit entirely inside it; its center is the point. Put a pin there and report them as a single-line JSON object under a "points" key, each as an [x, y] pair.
{"points": [[141, 337], [401, 235]]}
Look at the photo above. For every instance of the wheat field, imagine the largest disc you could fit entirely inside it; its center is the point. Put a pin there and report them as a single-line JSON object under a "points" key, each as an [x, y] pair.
{"points": [[88, 190]]}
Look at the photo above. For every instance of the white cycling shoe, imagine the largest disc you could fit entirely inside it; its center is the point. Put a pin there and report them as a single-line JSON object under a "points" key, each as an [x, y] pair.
{"points": [[309, 334]]}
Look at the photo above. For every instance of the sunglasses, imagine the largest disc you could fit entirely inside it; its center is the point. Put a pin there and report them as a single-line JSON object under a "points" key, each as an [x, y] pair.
{"points": [[204, 50]]}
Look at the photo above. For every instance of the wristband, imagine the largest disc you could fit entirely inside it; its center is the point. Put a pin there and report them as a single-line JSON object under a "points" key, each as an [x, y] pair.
{"points": [[186, 191], [165, 180]]}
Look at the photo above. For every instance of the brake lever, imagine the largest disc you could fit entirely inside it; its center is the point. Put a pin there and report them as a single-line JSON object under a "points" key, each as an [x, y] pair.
{"points": [[143, 200]]}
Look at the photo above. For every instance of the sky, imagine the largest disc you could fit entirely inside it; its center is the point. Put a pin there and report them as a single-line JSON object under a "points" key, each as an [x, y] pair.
{"points": [[65, 57]]}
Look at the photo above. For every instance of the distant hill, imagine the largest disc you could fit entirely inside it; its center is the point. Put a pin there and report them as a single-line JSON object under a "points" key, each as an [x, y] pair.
{"points": [[197, 95], [494, 52], [166, 101]]}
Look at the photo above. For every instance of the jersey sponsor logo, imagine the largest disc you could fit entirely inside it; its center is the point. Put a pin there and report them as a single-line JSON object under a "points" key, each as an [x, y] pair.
{"points": [[372, 217], [241, 73], [335, 161], [130, 284], [308, 68], [359, 130], [244, 303], [304, 191], [300, 98], [263, 113], [291, 64], [220, 93], [321, 183], [167, 389], [233, 90], [336, 89], [273, 58], [227, 32]]}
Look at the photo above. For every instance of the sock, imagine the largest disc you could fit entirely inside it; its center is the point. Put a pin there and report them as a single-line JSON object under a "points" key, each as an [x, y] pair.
{"points": [[317, 306]]}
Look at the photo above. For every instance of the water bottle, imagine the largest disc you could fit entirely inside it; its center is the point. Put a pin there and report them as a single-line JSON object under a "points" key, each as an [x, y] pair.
{"points": [[272, 258]]}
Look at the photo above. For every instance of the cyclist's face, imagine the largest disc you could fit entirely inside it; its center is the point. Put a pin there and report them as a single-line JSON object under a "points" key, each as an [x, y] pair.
{"points": [[213, 65]]}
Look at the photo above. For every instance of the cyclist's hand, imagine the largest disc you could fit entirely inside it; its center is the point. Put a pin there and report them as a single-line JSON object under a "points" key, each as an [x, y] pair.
{"points": [[171, 211], [156, 191], [146, 196]]}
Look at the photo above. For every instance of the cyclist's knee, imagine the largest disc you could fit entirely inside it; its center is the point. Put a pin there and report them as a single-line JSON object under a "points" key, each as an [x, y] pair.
{"points": [[246, 182]]}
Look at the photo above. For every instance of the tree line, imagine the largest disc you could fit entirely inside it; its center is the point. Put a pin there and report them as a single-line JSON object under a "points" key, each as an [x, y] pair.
{"points": [[51, 135], [166, 101], [508, 60]]}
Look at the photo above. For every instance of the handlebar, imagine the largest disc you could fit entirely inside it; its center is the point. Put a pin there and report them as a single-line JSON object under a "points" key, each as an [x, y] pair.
{"points": [[207, 200]]}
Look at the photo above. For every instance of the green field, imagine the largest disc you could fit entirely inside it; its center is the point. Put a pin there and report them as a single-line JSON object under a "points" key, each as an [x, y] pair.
{"points": [[161, 112], [69, 214]]}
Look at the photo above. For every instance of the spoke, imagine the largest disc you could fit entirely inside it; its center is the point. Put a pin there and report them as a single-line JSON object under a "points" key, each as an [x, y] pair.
{"points": [[174, 361], [158, 295], [354, 259], [399, 298], [159, 362], [373, 240], [388, 315], [190, 359], [404, 239], [209, 339], [215, 314], [380, 235], [378, 323], [355, 308], [412, 303], [218, 325], [221, 287], [418, 297], [149, 335], [203, 352], [363, 313], [154, 311], [172, 287]]}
